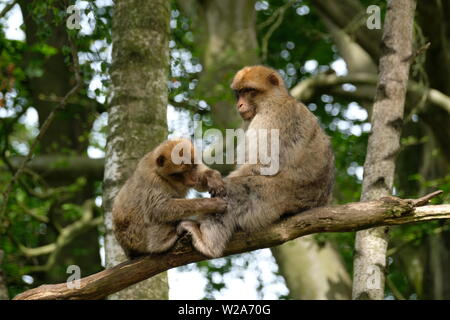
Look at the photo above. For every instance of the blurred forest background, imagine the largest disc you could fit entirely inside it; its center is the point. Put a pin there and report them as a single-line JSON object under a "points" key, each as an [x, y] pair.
{"points": [[328, 57]]}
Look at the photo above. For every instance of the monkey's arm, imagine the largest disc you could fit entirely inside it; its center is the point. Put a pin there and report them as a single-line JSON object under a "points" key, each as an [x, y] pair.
{"points": [[247, 175], [245, 170], [183, 208]]}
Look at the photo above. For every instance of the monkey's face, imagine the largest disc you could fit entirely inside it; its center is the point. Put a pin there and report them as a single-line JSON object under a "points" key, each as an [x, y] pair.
{"points": [[175, 162], [184, 174], [254, 85], [190, 176], [246, 102]]}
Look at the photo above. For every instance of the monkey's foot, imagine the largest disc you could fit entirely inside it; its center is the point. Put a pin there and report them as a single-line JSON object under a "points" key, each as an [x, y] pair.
{"points": [[187, 226]]}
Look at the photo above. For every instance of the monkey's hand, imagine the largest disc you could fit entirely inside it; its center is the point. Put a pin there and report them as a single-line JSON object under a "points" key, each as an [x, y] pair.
{"points": [[215, 185], [217, 189]]}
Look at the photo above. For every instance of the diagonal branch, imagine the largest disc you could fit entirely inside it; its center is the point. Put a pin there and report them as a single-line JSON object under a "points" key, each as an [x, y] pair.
{"points": [[346, 15], [6, 8], [71, 166], [337, 218], [66, 236], [277, 16]]}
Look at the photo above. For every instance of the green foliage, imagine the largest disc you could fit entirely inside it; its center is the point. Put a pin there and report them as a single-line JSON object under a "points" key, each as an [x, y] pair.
{"points": [[36, 210]]}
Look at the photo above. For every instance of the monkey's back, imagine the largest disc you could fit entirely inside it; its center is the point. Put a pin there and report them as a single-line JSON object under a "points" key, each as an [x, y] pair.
{"points": [[306, 170], [135, 214], [306, 160]]}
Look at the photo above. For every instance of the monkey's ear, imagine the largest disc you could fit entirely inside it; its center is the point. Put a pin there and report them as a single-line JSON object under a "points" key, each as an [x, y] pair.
{"points": [[160, 160], [273, 79]]}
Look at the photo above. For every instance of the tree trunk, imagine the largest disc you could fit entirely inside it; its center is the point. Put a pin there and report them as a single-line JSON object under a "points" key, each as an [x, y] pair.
{"points": [[311, 271], [433, 17], [226, 34], [436, 274], [63, 134], [433, 122], [3, 289], [137, 114], [57, 79], [384, 144]]}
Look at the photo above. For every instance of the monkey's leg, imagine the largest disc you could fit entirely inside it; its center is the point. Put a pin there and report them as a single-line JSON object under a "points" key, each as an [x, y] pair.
{"points": [[256, 202], [182, 208], [212, 235], [160, 237]]}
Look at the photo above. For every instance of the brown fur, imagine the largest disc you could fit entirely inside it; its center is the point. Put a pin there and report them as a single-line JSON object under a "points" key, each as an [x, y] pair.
{"points": [[150, 205], [306, 173]]}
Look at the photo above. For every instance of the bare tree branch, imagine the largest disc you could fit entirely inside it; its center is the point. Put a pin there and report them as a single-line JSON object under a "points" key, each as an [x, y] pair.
{"points": [[8, 7], [338, 218], [66, 236], [274, 21], [56, 165], [307, 88], [342, 13]]}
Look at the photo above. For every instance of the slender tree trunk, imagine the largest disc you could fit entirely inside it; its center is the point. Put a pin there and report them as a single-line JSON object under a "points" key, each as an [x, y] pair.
{"points": [[57, 79], [64, 133], [3, 289], [137, 115], [433, 17], [436, 275], [384, 144]]}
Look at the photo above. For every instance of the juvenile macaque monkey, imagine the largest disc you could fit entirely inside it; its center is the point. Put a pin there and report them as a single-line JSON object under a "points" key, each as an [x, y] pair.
{"points": [[150, 204], [306, 164]]}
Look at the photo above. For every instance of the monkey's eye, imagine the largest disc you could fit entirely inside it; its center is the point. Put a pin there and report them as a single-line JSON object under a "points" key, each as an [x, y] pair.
{"points": [[247, 90], [176, 176]]}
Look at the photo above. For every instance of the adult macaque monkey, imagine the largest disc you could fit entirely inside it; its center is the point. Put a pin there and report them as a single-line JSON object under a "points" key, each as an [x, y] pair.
{"points": [[148, 208], [306, 164]]}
